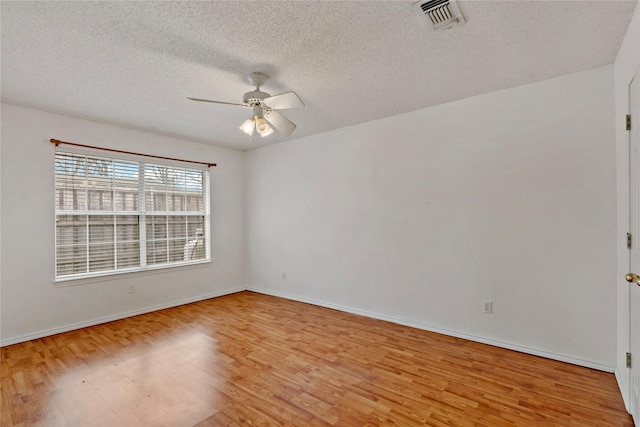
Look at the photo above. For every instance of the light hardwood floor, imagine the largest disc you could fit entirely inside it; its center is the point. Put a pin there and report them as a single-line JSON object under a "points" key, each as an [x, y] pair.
{"points": [[250, 359]]}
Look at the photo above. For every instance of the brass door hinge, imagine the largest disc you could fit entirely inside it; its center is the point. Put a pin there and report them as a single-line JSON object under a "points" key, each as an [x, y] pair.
{"points": [[629, 240], [628, 360]]}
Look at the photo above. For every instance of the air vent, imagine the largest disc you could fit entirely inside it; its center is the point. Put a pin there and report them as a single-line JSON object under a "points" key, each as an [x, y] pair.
{"points": [[441, 13]]}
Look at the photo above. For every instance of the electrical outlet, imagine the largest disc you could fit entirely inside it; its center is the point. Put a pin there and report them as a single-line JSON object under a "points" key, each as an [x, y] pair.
{"points": [[132, 288], [487, 307], [283, 274]]}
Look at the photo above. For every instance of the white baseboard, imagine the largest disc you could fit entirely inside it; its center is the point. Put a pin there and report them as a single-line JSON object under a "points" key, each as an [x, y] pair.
{"points": [[430, 328], [392, 319], [624, 389], [93, 322]]}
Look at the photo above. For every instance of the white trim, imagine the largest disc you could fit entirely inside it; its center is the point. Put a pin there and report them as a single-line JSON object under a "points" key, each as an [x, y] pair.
{"points": [[624, 389], [392, 319], [119, 316], [82, 279], [430, 328]]}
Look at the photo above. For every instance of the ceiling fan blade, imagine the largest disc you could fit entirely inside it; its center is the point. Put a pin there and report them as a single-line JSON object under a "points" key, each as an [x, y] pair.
{"points": [[284, 101], [280, 122], [217, 102]]}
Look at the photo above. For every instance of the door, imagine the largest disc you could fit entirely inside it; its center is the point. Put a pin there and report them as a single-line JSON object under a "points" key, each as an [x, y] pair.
{"points": [[634, 252]]}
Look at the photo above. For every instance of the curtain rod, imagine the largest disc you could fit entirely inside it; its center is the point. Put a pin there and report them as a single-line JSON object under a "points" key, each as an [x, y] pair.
{"points": [[58, 142]]}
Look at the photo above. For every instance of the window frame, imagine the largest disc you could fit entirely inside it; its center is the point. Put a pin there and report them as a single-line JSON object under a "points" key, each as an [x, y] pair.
{"points": [[142, 213]]}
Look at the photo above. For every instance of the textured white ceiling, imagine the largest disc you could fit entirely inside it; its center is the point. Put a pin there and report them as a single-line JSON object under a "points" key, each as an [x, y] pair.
{"points": [[134, 63]]}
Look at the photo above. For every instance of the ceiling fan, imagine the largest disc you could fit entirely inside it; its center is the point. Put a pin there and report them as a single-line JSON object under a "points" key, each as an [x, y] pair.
{"points": [[265, 117]]}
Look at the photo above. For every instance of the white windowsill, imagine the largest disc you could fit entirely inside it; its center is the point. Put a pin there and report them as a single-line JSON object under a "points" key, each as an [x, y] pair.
{"points": [[120, 274]]}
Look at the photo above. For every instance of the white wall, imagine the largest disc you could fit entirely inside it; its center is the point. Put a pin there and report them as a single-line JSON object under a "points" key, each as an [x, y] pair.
{"points": [[626, 65], [31, 304], [419, 218]]}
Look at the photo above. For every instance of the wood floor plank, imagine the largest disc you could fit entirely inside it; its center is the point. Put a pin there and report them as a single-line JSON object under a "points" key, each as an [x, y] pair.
{"points": [[251, 359]]}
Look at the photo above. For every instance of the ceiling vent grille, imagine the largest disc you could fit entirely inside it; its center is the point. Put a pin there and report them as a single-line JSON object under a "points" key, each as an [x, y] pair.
{"points": [[442, 13]]}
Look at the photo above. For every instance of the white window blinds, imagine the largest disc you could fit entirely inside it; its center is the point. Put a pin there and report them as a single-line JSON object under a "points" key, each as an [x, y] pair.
{"points": [[114, 215]]}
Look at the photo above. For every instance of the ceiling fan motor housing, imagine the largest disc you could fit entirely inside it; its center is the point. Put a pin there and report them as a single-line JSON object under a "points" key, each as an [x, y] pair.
{"points": [[254, 97]]}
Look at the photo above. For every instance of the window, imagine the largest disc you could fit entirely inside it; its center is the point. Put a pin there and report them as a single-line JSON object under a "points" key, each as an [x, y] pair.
{"points": [[116, 215]]}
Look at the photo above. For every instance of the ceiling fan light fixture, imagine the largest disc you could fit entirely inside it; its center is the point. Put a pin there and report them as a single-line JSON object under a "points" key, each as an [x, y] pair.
{"points": [[267, 132], [248, 126], [263, 127]]}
